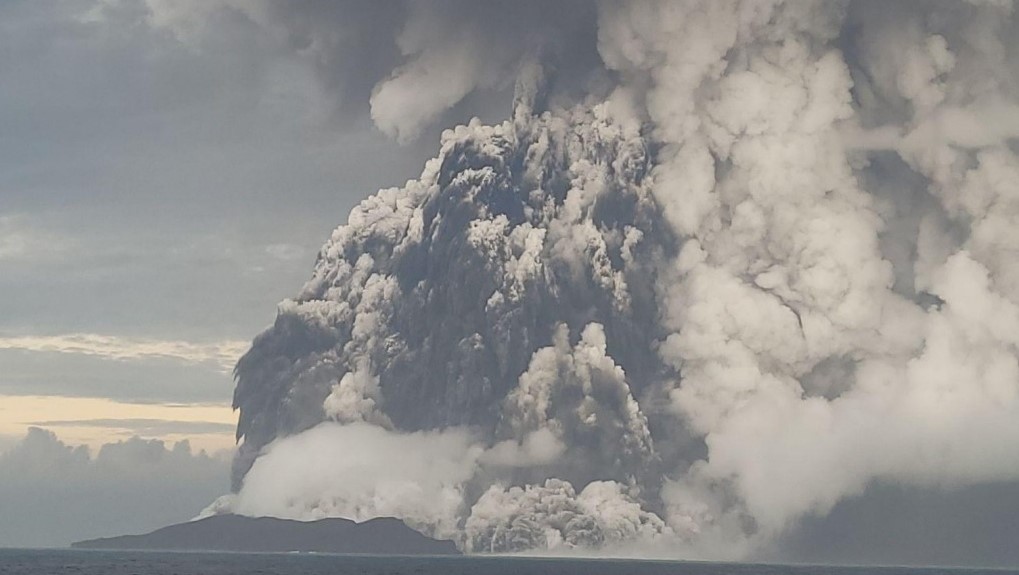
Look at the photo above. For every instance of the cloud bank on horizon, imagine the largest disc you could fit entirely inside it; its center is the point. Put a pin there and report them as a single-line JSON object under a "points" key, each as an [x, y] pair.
{"points": [[727, 265], [55, 493]]}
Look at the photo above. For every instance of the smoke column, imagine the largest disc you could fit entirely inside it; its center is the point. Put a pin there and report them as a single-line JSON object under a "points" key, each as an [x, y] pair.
{"points": [[725, 265]]}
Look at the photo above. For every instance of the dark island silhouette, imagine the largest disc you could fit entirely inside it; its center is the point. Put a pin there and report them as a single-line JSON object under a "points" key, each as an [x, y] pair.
{"points": [[380, 536]]}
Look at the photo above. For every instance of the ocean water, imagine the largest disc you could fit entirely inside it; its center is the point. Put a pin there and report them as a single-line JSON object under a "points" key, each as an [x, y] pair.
{"points": [[59, 562]]}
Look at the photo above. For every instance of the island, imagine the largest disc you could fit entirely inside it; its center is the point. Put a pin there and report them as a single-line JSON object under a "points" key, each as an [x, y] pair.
{"points": [[380, 536]]}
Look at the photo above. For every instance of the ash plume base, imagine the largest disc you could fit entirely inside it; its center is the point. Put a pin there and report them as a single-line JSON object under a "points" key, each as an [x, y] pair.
{"points": [[764, 260]]}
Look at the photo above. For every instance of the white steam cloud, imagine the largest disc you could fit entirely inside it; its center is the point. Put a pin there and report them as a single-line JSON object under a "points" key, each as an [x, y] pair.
{"points": [[362, 471], [755, 258]]}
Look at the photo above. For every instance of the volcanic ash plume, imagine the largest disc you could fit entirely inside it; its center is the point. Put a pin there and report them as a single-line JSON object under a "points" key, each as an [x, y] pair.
{"points": [[768, 256]]}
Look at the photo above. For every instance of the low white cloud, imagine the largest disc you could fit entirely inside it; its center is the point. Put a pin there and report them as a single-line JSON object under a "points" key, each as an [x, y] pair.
{"points": [[222, 353]]}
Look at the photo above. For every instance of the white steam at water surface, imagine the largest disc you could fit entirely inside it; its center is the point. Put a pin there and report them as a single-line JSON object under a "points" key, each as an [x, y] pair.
{"points": [[740, 262]]}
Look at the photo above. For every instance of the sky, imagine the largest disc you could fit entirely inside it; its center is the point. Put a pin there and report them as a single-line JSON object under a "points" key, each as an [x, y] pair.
{"points": [[159, 194], [161, 190]]}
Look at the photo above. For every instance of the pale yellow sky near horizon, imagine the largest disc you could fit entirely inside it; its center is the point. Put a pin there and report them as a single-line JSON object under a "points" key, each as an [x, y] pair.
{"points": [[95, 420], [76, 417]]}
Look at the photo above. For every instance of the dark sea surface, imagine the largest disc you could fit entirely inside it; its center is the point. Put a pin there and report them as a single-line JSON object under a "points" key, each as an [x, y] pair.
{"points": [[83, 562]]}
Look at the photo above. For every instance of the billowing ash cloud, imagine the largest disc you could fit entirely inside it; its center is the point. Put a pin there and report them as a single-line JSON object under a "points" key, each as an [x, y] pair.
{"points": [[760, 257]]}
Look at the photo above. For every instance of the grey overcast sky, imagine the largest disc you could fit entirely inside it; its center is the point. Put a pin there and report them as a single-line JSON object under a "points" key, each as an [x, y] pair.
{"points": [[167, 174], [168, 171]]}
